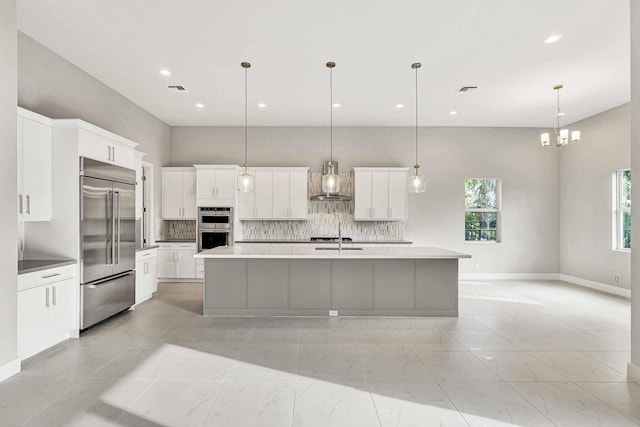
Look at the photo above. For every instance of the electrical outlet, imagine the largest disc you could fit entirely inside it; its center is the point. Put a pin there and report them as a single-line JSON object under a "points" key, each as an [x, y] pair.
{"points": [[477, 267], [616, 278], [333, 313]]}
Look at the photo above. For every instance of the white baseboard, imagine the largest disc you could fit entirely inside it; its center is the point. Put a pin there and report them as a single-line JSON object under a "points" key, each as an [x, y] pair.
{"points": [[143, 299], [596, 285], [9, 369], [508, 276], [614, 290], [633, 372]]}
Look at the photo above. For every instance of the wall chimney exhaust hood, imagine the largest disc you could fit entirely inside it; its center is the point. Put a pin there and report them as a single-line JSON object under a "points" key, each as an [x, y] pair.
{"points": [[330, 197]]}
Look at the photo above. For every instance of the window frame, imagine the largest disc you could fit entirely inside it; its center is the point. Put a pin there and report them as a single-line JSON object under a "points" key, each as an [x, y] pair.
{"points": [[619, 210], [497, 210]]}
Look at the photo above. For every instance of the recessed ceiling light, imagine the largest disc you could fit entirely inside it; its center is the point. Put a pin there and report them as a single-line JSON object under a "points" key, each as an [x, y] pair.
{"points": [[165, 72], [399, 105], [453, 113], [336, 105], [552, 39], [560, 114], [262, 105], [199, 105]]}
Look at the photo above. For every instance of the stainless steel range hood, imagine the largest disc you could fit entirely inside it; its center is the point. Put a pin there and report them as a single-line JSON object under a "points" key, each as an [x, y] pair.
{"points": [[330, 197]]}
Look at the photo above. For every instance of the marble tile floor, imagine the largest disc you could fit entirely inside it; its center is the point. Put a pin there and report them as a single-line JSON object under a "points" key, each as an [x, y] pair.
{"points": [[521, 353]]}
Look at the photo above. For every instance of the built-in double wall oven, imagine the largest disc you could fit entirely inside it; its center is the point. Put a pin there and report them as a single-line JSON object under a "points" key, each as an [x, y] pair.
{"points": [[215, 227]]}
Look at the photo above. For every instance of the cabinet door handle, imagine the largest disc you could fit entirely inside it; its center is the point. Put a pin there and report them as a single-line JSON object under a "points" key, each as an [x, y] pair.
{"points": [[54, 294], [46, 304], [46, 276], [20, 203], [114, 153], [28, 204], [109, 147]]}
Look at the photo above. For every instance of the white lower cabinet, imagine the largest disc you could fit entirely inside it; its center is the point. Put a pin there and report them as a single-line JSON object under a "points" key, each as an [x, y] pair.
{"points": [[46, 314], [200, 268], [146, 274], [175, 261]]}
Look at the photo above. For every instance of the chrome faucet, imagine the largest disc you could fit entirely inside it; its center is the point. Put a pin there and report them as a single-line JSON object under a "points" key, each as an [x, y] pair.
{"points": [[339, 236]]}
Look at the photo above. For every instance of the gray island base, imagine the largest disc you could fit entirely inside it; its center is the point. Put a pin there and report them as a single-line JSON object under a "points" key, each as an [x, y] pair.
{"points": [[284, 281]]}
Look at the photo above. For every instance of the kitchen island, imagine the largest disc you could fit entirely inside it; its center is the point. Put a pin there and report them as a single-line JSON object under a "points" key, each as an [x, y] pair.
{"points": [[308, 280]]}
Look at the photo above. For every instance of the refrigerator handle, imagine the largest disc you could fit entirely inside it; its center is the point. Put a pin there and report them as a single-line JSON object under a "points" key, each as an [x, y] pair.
{"points": [[113, 229], [117, 199]]}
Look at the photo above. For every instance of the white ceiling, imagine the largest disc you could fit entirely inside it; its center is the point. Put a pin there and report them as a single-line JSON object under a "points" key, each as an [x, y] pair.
{"points": [[494, 44]]}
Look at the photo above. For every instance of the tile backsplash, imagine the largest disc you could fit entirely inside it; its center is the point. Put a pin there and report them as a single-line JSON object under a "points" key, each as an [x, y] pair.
{"points": [[323, 221], [178, 230]]}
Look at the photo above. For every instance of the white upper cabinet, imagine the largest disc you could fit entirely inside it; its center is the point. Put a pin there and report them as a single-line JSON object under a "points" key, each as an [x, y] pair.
{"points": [[380, 194], [216, 185], [35, 180], [179, 193], [94, 143], [280, 194]]}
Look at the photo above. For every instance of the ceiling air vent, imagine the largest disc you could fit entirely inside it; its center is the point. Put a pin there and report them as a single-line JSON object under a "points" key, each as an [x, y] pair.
{"points": [[177, 89], [467, 89]]}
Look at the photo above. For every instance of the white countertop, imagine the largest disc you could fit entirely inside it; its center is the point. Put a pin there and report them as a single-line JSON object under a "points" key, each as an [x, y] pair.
{"points": [[294, 251]]}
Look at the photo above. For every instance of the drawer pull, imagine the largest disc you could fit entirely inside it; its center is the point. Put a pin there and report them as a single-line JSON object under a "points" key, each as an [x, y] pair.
{"points": [[46, 276]]}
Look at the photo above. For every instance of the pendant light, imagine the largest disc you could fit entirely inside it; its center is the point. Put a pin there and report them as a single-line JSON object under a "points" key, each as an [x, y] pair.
{"points": [[417, 182], [246, 180], [561, 134], [331, 180]]}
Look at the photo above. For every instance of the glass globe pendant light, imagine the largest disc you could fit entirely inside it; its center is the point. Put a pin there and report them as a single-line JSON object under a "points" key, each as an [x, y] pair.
{"points": [[416, 182], [246, 180], [331, 180]]}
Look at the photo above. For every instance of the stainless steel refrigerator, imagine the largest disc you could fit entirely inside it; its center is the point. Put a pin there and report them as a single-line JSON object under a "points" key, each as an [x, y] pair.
{"points": [[108, 236]]}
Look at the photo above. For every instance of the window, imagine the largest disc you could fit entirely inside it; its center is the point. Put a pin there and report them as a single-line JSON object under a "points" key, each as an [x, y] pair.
{"points": [[482, 210], [622, 210]]}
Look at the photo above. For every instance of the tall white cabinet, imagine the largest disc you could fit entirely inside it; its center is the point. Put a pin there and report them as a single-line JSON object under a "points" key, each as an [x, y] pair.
{"points": [[380, 194], [35, 179], [280, 194], [179, 193]]}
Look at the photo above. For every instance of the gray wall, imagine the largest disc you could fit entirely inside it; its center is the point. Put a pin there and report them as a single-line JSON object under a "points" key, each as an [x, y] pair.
{"points": [[586, 234], [50, 85], [448, 155], [8, 184], [635, 165]]}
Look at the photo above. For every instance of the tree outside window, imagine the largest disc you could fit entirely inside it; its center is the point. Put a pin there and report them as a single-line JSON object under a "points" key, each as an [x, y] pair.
{"points": [[622, 214], [482, 213]]}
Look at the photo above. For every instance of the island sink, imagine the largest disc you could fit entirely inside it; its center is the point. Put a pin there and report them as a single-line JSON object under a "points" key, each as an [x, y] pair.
{"points": [[338, 249]]}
